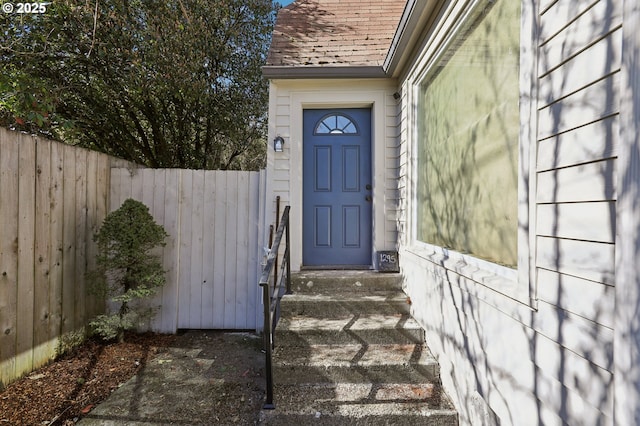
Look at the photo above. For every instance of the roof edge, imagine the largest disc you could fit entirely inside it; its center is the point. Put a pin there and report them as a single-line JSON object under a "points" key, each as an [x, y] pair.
{"points": [[309, 71], [415, 15]]}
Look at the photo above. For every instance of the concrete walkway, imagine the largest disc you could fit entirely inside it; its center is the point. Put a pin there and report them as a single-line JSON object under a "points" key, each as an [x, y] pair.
{"points": [[348, 352], [206, 378]]}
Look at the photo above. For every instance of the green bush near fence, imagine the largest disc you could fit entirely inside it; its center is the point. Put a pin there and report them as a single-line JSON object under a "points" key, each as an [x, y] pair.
{"points": [[127, 269]]}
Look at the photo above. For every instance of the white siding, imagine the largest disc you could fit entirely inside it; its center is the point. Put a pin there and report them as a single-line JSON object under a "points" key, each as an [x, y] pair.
{"points": [[287, 100], [549, 361], [627, 320]]}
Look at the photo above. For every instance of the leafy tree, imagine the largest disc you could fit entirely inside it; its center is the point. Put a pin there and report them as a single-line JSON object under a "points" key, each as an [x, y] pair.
{"points": [[172, 83], [126, 269]]}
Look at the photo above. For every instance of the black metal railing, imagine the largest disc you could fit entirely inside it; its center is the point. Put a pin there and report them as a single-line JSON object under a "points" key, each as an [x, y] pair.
{"points": [[271, 296]]}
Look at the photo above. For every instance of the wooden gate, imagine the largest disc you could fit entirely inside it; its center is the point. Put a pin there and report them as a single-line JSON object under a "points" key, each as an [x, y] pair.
{"points": [[213, 252]]}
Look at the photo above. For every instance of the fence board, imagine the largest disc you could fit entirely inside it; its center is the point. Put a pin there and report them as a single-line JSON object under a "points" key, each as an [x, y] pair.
{"points": [[69, 239], [115, 188], [102, 208], [262, 243], [80, 237], [195, 244], [26, 237], [171, 256], [9, 149], [143, 190], [242, 251], [156, 206], [92, 225], [253, 247], [56, 278], [184, 270], [137, 185], [220, 252], [208, 271], [41, 313], [231, 240]]}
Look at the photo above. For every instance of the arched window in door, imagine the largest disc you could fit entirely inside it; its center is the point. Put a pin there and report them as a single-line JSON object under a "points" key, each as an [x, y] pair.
{"points": [[336, 124]]}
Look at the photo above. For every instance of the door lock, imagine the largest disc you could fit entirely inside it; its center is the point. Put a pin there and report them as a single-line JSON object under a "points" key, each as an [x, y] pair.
{"points": [[368, 187], [368, 198]]}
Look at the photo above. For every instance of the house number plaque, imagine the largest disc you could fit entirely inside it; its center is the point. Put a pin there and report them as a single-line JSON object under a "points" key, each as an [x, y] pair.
{"points": [[388, 261]]}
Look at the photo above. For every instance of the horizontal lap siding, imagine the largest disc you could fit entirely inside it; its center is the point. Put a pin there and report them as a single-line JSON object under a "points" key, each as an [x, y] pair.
{"points": [[578, 105], [403, 168], [281, 161], [579, 63], [558, 368], [392, 163]]}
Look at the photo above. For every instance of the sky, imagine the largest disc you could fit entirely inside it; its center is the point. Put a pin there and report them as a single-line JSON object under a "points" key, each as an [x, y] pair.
{"points": [[285, 2]]}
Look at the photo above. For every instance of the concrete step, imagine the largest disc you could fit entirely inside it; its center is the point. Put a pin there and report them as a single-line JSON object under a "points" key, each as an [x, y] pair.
{"points": [[353, 329], [328, 306], [409, 363], [348, 352], [355, 355], [329, 395], [357, 415], [361, 404], [359, 385], [345, 282]]}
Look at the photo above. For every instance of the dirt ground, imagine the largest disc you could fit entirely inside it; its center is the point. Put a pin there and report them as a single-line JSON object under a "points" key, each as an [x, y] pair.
{"points": [[225, 383]]}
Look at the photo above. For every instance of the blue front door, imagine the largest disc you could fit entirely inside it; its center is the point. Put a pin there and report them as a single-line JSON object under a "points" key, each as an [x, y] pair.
{"points": [[337, 187]]}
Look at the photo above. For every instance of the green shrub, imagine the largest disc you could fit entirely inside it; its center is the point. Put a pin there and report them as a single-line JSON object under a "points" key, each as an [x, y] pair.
{"points": [[68, 342], [126, 269]]}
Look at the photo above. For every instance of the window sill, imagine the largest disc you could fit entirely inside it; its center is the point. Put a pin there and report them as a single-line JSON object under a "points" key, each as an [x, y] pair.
{"points": [[489, 281]]}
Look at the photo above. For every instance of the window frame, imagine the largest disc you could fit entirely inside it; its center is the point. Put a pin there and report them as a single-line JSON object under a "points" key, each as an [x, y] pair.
{"points": [[321, 121], [491, 280]]}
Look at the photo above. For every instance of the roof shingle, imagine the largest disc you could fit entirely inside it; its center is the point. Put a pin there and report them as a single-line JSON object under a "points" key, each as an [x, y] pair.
{"points": [[331, 33]]}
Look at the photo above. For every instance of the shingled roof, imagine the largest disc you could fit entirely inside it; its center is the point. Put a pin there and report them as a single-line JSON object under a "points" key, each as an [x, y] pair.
{"points": [[312, 36]]}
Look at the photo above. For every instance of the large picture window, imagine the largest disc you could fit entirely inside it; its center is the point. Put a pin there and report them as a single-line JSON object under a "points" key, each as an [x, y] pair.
{"points": [[468, 126]]}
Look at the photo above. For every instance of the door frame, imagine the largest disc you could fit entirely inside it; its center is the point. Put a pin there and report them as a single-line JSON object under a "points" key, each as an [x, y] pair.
{"points": [[334, 98]]}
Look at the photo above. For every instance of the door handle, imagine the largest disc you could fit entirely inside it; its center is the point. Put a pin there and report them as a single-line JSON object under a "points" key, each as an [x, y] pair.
{"points": [[368, 198], [368, 187]]}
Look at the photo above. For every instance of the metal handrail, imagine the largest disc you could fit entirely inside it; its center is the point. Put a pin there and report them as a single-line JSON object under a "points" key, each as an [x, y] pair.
{"points": [[271, 299]]}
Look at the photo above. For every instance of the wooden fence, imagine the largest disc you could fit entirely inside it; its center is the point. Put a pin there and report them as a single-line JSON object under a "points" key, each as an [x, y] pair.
{"points": [[53, 197], [213, 252]]}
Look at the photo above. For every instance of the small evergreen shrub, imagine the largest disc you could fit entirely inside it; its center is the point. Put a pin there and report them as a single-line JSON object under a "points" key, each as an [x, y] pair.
{"points": [[127, 270]]}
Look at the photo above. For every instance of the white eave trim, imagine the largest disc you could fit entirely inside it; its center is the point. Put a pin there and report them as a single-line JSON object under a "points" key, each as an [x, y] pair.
{"points": [[291, 72]]}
